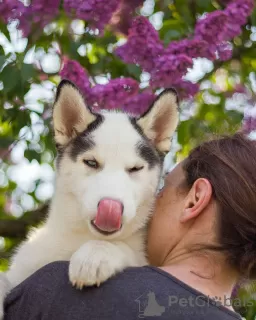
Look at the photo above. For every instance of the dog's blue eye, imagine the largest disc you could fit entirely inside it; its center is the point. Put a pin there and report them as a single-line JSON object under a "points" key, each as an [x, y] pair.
{"points": [[135, 169], [91, 163]]}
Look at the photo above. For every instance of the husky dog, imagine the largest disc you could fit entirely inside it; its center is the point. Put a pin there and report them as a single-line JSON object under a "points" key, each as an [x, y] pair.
{"points": [[108, 170]]}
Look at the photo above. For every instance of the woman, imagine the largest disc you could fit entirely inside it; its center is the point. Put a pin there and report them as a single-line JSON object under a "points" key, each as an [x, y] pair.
{"points": [[201, 241]]}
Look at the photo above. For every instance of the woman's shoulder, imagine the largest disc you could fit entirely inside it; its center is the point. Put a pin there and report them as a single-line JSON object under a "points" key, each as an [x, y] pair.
{"points": [[136, 292]]}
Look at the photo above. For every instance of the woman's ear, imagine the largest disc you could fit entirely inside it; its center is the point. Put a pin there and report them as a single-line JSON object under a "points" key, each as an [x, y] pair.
{"points": [[197, 200], [71, 115]]}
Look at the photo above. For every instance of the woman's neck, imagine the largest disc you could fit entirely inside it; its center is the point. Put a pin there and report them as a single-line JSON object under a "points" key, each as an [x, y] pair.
{"points": [[207, 273]]}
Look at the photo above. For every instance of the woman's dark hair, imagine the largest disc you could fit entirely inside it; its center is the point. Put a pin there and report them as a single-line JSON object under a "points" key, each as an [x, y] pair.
{"points": [[229, 163]]}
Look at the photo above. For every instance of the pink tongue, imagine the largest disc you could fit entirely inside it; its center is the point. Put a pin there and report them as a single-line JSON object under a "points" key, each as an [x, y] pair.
{"points": [[109, 215]]}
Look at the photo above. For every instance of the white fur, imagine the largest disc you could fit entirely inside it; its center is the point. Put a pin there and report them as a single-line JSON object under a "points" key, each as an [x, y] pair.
{"points": [[78, 192], [67, 234]]}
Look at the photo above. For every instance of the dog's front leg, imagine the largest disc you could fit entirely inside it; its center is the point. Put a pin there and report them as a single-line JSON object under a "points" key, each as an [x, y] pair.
{"points": [[97, 260]]}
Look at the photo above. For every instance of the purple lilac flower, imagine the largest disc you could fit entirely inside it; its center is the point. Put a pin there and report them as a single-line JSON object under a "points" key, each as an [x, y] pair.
{"points": [[74, 72], [122, 19], [143, 44], [109, 96], [139, 103], [224, 25], [11, 9], [232, 31], [237, 12], [97, 12], [224, 51], [219, 26], [40, 13], [212, 28], [238, 88], [243, 283], [249, 124], [194, 48], [114, 94], [186, 89], [169, 69]]}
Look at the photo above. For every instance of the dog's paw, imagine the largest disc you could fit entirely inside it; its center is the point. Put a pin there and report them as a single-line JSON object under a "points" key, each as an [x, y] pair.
{"points": [[95, 262]]}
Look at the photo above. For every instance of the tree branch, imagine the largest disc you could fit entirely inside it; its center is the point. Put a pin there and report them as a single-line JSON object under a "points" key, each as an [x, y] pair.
{"points": [[192, 5], [18, 228]]}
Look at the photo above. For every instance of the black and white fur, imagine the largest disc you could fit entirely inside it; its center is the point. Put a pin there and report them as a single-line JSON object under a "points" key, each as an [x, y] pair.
{"points": [[118, 143]]}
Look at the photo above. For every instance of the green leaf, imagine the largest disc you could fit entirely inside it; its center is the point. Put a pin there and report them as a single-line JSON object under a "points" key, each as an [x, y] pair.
{"points": [[32, 154], [2, 61], [204, 5], [172, 30], [5, 142], [134, 70], [4, 30], [10, 77], [253, 17], [185, 10], [27, 72], [183, 131], [2, 50]]}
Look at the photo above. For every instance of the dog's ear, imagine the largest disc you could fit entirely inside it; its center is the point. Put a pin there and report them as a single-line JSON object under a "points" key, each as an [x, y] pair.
{"points": [[71, 116], [161, 120]]}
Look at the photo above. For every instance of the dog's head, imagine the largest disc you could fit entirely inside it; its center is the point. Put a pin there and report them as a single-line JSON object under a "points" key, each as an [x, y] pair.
{"points": [[109, 163]]}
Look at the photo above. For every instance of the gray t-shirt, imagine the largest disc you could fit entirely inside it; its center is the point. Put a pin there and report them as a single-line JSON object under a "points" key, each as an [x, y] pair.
{"points": [[136, 293]]}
